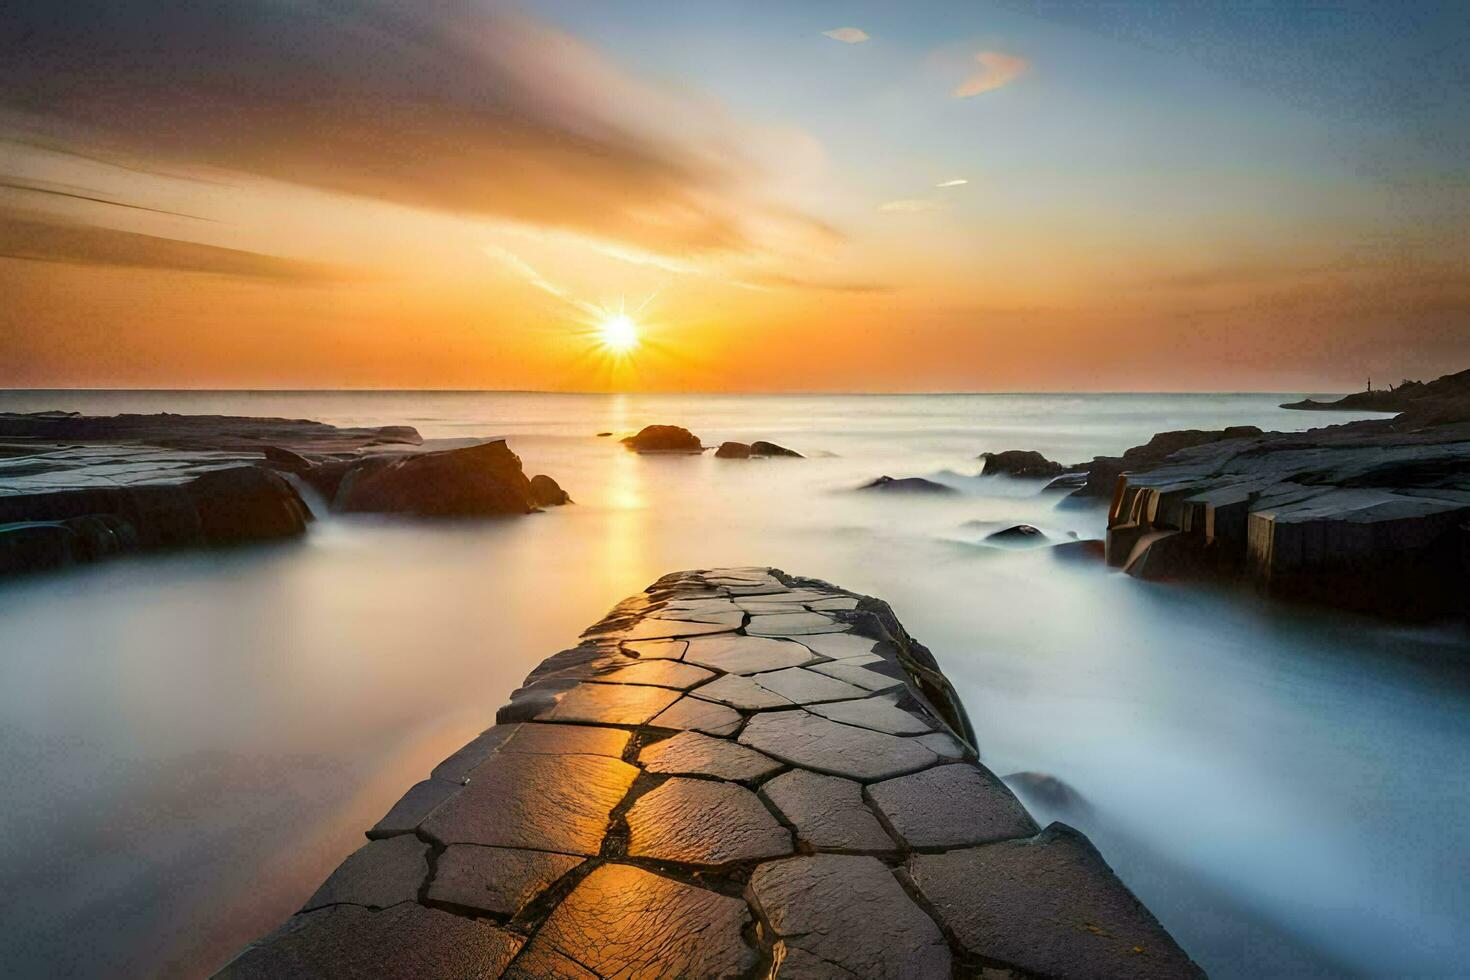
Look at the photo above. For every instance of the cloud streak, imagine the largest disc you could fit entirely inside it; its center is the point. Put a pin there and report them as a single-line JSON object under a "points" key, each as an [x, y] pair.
{"points": [[449, 105], [848, 35], [996, 71]]}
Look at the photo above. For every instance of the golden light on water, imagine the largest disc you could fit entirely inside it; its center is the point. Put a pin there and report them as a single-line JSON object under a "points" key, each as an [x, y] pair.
{"points": [[618, 334]]}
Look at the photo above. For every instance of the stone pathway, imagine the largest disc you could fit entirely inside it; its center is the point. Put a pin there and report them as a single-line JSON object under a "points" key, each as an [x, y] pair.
{"points": [[735, 773]]}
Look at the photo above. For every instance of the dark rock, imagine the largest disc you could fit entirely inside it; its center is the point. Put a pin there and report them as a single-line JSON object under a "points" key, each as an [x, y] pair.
{"points": [[733, 450], [1020, 534], [950, 806], [664, 439], [908, 484], [762, 448], [495, 880], [1022, 463], [603, 435], [746, 654], [477, 481], [246, 503], [378, 874], [848, 912], [693, 754], [704, 822], [828, 812], [1051, 907], [878, 714], [285, 459], [406, 941], [1068, 482], [1445, 399], [815, 743], [622, 921], [546, 492], [216, 433]]}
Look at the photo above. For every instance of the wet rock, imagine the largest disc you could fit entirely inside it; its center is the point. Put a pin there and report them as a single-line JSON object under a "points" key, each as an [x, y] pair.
{"points": [[703, 822], [664, 439], [537, 739], [547, 803], [622, 921], [792, 624], [742, 693], [1052, 907], [693, 754], [406, 941], [609, 704], [878, 714], [546, 492], [378, 874], [652, 629], [1021, 463], [495, 880], [762, 448], [733, 450], [285, 459], [859, 676], [422, 799], [800, 686], [949, 806], [839, 646], [812, 742], [908, 484], [746, 654], [1018, 535], [828, 812], [1081, 551], [693, 714], [478, 481], [849, 913], [656, 649], [658, 673]]}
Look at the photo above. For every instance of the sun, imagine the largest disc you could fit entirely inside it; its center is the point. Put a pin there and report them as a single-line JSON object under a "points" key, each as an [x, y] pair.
{"points": [[618, 334]]}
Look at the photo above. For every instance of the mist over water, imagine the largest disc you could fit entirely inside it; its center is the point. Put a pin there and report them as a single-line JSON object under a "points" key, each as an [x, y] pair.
{"points": [[192, 741]]}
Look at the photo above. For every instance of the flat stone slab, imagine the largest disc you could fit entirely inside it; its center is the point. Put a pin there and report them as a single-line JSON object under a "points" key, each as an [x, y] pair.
{"points": [[495, 880], [850, 913], [351, 942], [828, 812], [693, 754], [546, 803], [704, 822], [622, 921], [792, 624], [815, 743], [736, 654], [1050, 905], [950, 806], [722, 804]]}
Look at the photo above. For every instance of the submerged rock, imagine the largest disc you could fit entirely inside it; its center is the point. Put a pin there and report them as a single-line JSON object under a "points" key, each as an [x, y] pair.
{"points": [[547, 492], [1023, 463], [762, 448], [908, 484], [476, 481], [1020, 534], [664, 439]]}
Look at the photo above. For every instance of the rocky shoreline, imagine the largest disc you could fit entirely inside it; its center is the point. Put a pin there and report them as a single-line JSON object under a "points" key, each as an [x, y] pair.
{"points": [[76, 489], [735, 773]]}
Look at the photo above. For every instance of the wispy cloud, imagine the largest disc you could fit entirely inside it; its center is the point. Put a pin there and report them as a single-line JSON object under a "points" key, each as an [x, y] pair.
{"points": [[996, 70], [848, 35], [911, 204], [45, 238], [451, 105], [957, 182]]}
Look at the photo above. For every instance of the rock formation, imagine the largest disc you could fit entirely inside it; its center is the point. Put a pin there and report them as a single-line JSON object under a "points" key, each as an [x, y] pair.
{"points": [[664, 439], [677, 796], [759, 448], [733, 450], [1022, 535], [1441, 400], [78, 488], [546, 492], [1023, 463], [908, 484]]}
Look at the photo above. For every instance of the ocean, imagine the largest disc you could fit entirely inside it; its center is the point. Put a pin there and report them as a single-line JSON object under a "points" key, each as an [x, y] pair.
{"points": [[192, 741]]}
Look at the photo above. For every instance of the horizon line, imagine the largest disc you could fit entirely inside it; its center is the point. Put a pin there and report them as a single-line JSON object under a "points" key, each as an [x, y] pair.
{"points": [[736, 394]]}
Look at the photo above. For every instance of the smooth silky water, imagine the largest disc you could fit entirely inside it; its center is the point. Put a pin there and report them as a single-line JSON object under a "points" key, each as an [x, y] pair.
{"points": [[192, 741]]}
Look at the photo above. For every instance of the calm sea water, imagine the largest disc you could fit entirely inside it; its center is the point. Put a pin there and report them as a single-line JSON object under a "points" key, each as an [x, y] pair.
{"points": [[189, 743]]}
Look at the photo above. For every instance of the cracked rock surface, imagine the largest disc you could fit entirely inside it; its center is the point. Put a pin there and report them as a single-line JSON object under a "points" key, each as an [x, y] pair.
{"points": [[705, 787]]}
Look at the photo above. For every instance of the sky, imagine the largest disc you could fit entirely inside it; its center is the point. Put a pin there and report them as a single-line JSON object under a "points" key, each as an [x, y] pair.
{"points": [[966, 196]]}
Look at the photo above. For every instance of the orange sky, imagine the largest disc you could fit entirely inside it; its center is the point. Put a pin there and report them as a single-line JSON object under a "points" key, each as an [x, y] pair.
{"points": [[1020, 218]]}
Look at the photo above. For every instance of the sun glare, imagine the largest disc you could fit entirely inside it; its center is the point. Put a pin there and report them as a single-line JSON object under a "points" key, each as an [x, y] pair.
{"points": [[618, 333]]}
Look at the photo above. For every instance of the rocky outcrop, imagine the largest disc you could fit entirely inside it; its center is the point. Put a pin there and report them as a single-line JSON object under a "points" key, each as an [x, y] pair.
{"points": [[907, 484], [546, 492], [678, 796], [1021, 463], [1103, 471], [76, 488], [1442, 400], [1018, 535], [664, 439], [477, 481], [1368, 516], [757, 449]]}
